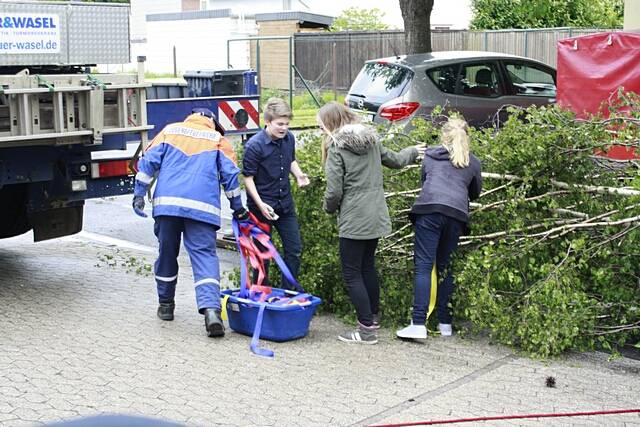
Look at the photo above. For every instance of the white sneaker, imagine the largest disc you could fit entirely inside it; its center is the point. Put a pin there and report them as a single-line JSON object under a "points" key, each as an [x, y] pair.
{"points": [[445, 329], [413, 331]]}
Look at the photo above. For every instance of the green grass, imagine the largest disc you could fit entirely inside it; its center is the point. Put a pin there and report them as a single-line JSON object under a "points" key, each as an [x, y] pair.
{"points": [[152, 75], [304, 118], [303, 106], [302, 101]]}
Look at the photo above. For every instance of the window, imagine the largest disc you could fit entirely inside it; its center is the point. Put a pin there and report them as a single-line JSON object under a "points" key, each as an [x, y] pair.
{"points": [[380, 82], [444, 77], [480, 80], [529, 80]]}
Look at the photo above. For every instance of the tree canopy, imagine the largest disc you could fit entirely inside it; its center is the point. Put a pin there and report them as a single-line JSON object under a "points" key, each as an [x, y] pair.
{"points": [[354, 19], [503, 14]]}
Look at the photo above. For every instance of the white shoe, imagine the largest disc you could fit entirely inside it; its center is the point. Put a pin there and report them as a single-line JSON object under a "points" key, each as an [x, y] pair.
{"points": [[413, 331], [445, 329]]}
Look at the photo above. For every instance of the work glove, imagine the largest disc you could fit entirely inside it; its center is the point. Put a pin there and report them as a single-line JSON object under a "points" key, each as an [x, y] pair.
{"points": [[241, 214], [138, 206]]}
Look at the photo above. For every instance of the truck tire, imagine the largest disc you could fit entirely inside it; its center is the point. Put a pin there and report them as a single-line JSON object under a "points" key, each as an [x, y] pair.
{"points": [[13, 215]]}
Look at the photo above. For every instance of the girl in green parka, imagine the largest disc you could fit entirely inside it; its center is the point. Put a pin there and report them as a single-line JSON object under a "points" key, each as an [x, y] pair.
{"points": [[353, 157]]}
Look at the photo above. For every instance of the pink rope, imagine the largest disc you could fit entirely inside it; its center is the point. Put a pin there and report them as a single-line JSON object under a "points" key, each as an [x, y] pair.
{"points": [[510, 417]]}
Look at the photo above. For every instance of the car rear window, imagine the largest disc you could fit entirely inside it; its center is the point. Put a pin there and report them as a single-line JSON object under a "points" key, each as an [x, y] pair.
{"points": [[380, 82]]}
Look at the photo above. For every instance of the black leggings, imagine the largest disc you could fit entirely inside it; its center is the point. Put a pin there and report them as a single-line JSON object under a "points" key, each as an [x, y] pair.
{"points": [[360, 276]]}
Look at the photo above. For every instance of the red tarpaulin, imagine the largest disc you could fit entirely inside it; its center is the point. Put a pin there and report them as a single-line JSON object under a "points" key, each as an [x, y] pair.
{"points": [[592, 68]]}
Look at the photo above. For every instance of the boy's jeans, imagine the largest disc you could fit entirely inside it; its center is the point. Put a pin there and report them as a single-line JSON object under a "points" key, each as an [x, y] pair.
{"points": [[289, 232], [436, 238]]}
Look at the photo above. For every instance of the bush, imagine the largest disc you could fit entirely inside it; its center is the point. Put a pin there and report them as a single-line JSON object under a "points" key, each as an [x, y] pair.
{"points": [[552, 261]]}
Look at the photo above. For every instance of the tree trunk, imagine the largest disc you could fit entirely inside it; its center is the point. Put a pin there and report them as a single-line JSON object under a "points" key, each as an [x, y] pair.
{"points": [[417, 25]]}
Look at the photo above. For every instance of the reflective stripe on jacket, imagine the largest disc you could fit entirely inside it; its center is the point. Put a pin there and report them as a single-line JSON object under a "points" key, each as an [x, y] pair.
{"points": [[191, 161]]}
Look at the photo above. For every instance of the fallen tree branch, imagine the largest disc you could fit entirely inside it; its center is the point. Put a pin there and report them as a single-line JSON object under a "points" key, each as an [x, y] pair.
{"points": [[598, 189], [593, 188], [402, 193], [493, 190], [490, 236], [583, 225], [528, 199], [604, 330]]}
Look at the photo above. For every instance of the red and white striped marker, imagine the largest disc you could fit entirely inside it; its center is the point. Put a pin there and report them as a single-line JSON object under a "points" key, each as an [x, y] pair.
{"points": [[239, 115]]}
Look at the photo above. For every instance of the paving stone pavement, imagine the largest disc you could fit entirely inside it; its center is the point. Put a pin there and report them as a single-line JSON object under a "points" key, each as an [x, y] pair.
{"points": [[79, 337]]}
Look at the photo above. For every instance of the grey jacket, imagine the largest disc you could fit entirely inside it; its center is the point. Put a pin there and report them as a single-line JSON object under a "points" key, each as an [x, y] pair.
{"points": [[445, 188], [354, 181]]}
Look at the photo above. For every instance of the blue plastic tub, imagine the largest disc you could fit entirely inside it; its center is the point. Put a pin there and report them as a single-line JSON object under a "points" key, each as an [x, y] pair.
{"points": [[280, 323]]}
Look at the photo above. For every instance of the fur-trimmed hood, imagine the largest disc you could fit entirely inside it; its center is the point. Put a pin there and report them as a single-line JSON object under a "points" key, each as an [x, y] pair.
{"points": [[357, 138]]}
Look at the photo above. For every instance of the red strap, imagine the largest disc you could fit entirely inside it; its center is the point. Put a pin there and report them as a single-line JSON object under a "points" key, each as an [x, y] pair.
{"points": [[254, 256], [263, 290], [262, 225]]}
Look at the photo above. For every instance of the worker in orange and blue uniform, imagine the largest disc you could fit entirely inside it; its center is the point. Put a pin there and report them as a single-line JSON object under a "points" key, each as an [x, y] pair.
{"points": [[190, 160]]}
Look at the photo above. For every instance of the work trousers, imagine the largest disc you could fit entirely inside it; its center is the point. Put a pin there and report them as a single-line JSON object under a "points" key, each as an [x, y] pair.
{"points": [[200, 242], [436, 238], [360, 276]]}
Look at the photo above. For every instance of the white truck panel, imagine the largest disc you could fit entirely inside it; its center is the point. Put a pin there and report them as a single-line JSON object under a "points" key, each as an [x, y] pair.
{"points": [[48, 33]]}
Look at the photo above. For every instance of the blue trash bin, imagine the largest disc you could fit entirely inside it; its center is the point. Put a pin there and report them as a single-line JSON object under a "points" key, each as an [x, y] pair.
{"points": [[250, 78], [215, 82]]}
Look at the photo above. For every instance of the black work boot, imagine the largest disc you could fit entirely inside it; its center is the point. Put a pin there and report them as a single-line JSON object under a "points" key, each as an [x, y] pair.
{"points": [[165, 310], [213, 322]]}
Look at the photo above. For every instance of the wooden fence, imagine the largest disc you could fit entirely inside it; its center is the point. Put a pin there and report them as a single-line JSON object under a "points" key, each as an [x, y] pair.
{"points": [[331, 60]]}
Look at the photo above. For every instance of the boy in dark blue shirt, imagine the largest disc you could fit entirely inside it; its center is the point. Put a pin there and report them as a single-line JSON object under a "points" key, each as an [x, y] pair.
{"points": [[269, 158]]}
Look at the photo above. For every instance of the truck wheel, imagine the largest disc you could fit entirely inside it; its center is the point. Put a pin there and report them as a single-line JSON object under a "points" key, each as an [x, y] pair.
{"points": [[13, 216]]}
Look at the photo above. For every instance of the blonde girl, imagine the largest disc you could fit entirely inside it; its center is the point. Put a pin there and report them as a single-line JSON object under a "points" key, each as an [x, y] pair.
{"points": [[451, 176]]}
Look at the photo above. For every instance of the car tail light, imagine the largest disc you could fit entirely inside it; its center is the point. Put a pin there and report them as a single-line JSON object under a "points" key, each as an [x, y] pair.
{"points": [[395, 112], [110, 169]]}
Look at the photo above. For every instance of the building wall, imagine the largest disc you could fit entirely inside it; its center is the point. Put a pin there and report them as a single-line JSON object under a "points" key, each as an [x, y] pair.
{"points": [[189, 5], [632, 15], [274, 54], [199, 43], [138, 30], [141, 8], [156, 39]]}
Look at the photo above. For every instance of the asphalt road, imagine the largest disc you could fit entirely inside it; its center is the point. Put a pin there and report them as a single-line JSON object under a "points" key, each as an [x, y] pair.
{"points": [[112, 221]]}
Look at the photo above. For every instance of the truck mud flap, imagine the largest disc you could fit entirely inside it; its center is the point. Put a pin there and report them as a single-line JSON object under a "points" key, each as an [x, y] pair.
{"points": [[57, 222], [13, 215]]}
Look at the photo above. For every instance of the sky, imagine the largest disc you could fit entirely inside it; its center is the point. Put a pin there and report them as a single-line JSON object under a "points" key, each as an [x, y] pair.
{"points": [[454, 13]]}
